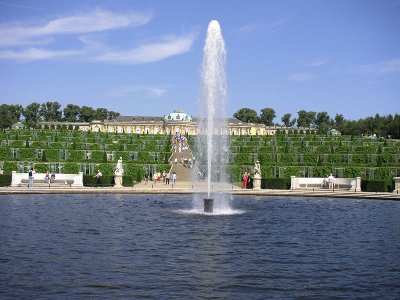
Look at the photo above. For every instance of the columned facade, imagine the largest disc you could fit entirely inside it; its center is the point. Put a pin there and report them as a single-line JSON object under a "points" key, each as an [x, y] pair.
{"points": [[177, 121]]}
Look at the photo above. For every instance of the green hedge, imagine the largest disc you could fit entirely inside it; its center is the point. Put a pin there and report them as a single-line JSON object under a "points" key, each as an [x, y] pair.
{"points": [[275, 183], [377, 185], [5, 180], [107, 181]]}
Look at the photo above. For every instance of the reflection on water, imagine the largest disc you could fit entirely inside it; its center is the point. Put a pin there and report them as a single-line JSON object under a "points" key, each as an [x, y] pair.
{"points": [[151, 246]]}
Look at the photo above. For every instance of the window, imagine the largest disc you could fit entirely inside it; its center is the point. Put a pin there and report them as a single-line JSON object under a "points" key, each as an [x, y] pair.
{"points": [[133, 155], [88, 155], [57, 168], [38, 153], [64, 154], [88, 169], [110, 156], [14, 152]]}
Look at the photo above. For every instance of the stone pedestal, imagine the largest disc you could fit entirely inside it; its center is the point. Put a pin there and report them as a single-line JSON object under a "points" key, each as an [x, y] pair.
{"points": [[118, 180], [208, 205], [257, 182], [396, 184]]}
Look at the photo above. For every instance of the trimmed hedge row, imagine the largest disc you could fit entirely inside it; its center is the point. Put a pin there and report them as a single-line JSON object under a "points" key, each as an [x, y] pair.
{"points": [[5, 180], [106, 181], [377, 185], [275, 183]]}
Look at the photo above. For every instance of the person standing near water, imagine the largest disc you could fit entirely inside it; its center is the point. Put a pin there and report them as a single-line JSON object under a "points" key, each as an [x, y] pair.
{"points": [[167, 178], [31, 174], [173, 179], [245, 179], [98, 178]]}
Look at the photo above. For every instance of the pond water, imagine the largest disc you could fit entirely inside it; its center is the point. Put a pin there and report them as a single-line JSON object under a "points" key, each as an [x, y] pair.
{"points": [[147, 246]]}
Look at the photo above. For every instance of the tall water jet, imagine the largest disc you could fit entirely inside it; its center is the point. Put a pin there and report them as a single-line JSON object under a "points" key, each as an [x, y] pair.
{"points": [[212, 138]]}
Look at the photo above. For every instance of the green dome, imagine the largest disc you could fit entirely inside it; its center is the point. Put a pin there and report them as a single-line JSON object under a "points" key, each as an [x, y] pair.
{"points": [[178, 116]]}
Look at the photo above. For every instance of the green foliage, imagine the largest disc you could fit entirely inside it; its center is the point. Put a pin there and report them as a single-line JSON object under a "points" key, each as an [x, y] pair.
{"points": [[5, 180], [376, 185], [107, 181], [276, 183], [41, 167], [71, 168], [44, 156]]}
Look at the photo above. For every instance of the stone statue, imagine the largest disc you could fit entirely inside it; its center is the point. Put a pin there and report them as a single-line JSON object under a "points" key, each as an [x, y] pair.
{"points": [[118, 173], [119, 168], [257, 168], [257, 176]]}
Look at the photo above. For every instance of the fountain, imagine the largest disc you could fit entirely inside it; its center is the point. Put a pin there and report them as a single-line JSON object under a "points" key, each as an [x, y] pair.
{"points": [[212, 137]]}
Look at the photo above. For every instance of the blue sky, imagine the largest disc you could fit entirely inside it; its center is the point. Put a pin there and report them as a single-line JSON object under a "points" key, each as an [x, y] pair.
{"points": [[143, 57]]}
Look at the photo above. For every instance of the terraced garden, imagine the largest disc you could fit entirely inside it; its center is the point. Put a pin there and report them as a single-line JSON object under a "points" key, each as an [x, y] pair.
{"points": [[281, 156]]}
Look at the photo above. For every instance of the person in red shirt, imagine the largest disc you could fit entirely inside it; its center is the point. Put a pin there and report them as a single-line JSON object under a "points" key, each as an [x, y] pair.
{"points": [[245, 179]]}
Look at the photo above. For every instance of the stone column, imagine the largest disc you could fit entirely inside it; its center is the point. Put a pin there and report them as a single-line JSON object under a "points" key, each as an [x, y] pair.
{"points": [[358, 184], [293, 182], [396, 184]]}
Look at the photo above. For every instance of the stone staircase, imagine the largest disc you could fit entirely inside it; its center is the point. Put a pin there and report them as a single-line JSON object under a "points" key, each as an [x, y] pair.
{"points": [[183, 173]]}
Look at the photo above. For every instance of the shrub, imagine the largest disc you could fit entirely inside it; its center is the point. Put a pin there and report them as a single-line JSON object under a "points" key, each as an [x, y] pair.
{"points": [[5, 180], [275, 183], [376, 185]]}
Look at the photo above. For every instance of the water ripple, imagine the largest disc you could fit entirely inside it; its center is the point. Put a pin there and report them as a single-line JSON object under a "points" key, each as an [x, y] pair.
{"points": [[150, 246]]}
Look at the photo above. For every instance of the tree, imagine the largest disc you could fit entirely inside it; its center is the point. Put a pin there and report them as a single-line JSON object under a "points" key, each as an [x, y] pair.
{"points": [[87, 114], [247, 115], [323, 122], [101, 114], [71, 113], [15, 111], [112, 115], [50, 111], [267, 116], [31, 114], [339, 122], [305, 118], [286, 120], [6, 119]]}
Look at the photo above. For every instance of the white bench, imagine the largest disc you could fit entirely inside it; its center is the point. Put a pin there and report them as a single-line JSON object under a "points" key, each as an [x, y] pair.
{"points": [[73, 180], [351, 184]]}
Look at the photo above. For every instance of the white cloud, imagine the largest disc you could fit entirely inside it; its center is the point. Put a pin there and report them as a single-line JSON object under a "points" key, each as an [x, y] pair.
{"points": [[317, 62], [277, 25], [169, 46], [95, 21], [142, 91], [385, 67], [250, 28], [32, 54], [300, 77], [255, 28]]}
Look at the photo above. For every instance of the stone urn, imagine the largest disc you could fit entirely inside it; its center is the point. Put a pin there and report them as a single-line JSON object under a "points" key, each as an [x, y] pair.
{"points": [[257, 181]]}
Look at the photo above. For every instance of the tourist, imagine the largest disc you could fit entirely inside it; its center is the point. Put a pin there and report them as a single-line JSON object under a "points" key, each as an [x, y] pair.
{"points": [[98, 177], [53, 177], [47, 177], [146, 178], [167, 178], [173, 179], [245, 179], [31, 174]]}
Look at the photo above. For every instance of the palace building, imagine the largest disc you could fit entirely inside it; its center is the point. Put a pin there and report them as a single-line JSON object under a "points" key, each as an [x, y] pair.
{"points": [[177, 121]]}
